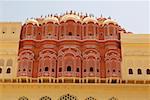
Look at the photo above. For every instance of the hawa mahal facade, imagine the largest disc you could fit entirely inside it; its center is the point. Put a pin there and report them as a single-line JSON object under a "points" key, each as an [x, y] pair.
{"points": [[73, 57], [71, 45]]}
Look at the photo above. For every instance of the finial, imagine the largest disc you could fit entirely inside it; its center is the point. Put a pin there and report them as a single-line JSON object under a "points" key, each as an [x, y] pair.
{"points": [[66, 12], [81, 13], [56, 15], [101, 15], [71, 12], [91, 15], [74, 13], [86, 14]]}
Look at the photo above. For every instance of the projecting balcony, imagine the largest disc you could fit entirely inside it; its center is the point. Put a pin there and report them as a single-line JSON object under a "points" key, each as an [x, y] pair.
{"points": [[91, 74], [69, 74], [89, 37], [29, 37], [49, 37], [70, 38], [47, 74]]}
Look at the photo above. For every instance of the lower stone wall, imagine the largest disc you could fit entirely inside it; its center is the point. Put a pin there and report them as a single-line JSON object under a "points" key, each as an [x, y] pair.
{"points": [[73, 91]]}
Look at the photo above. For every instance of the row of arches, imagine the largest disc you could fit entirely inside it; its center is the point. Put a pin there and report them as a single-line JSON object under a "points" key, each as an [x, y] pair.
{"points": [[6, 66], [69, 29], [65, 97], [69, 62], [25, 65], [8, 71], [139, 71], [9, 62]]}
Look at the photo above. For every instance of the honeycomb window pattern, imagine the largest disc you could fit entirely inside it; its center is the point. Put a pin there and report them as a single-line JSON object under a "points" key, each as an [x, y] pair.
{"points": [[23, 98], [45, 98], [68, 97]]}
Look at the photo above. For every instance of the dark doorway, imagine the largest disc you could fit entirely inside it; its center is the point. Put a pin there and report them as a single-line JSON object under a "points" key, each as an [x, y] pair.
{"points": [[69, 68]]}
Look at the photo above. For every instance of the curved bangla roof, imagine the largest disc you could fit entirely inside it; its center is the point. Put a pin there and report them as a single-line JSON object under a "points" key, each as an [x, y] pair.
{"points": [[89, 19], [51, 19], [76, 18], [108, 21], [33, 21], [72, 16]]}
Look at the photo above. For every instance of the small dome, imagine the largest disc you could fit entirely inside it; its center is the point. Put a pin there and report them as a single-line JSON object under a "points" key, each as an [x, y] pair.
{"points": [[51, 19], [90, 19], [33, 21], [76, 18], [106, 22]]}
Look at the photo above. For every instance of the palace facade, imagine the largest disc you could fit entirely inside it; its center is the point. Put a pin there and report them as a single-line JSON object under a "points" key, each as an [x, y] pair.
{"points": [[73, 57]]}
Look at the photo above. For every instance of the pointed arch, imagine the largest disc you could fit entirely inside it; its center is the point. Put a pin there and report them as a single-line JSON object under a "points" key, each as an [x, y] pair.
{"points": [[47, 60], [9, 62], [113, 63], [91, 63], [1, 62], [69, 57], [26, 58]]}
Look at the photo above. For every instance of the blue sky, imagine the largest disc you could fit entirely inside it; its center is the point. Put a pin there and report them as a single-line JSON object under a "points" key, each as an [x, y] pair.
{"points": [[132, 15]]}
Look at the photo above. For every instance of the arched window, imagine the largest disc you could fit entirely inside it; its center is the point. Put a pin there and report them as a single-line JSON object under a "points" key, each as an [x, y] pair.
{"points": [[9, 62], [70, 34], [84, 31], [60, 69], [1, 62], [24, 70], [113, 63], [108, 71], [130, 71], [0, 70], [77, 70], [23, 98], [68, 97], [148, 71], [45, 98], [29, 29], [46, 69], [8, 70], [97, 70], [69, 68], [53, 70], [91, 69], [29, 70], [139, 71], [114, 70]]}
